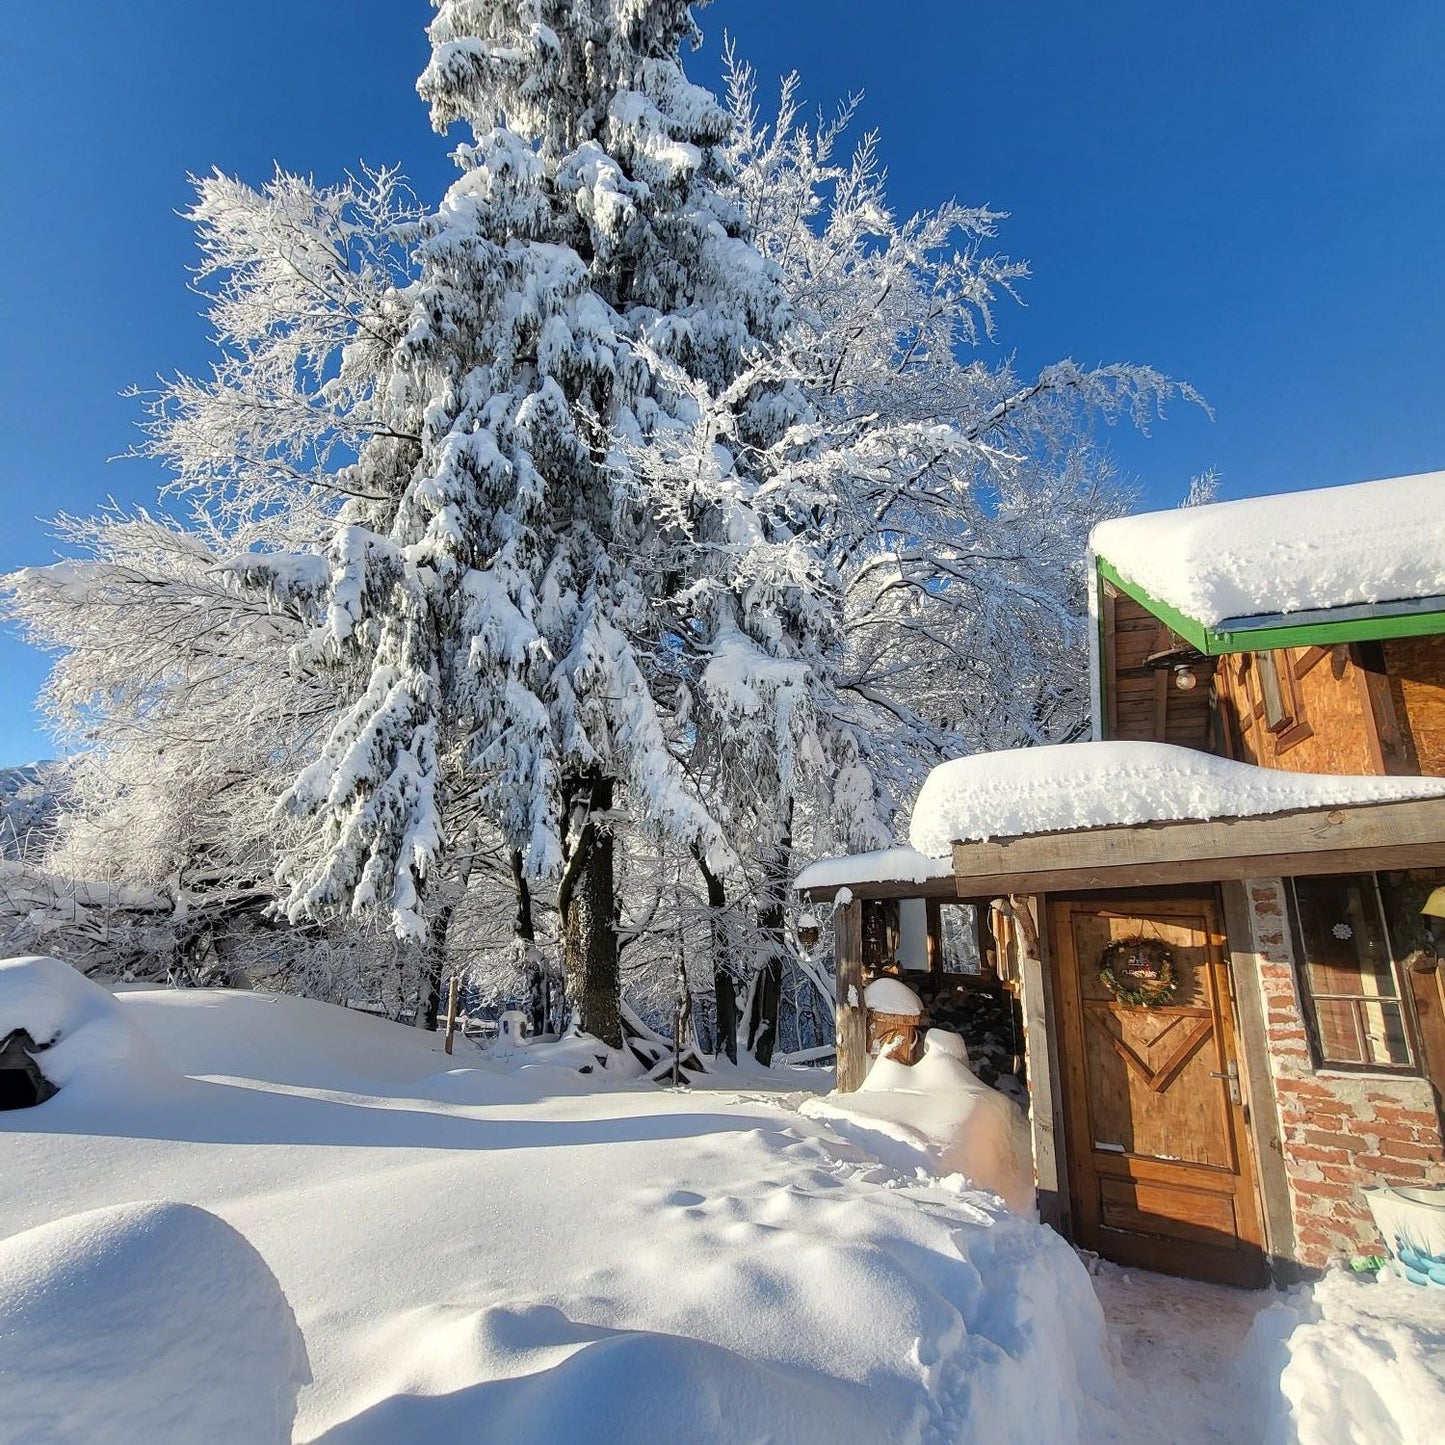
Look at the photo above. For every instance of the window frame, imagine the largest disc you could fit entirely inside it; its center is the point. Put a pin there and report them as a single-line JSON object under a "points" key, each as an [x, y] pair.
{"points": [[1308, 997]]}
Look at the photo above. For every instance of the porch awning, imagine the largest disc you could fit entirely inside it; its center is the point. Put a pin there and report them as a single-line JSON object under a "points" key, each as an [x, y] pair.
{"points": [[1364, 838], [1118, 815]]}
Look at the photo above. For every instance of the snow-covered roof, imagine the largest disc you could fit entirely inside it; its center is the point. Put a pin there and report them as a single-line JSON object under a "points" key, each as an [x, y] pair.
{"points": [[1110, 784], [1370, 543], [887, 865]]}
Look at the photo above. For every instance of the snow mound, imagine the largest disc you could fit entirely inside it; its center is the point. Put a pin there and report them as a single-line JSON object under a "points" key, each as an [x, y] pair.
{"points": [[150, 1322], [1296, 552], [1349, 1360], [569, 1381], [888, 995], [85, 1035], [936, 1115], [536, 1249], [1110, 784], [292, 1041]]}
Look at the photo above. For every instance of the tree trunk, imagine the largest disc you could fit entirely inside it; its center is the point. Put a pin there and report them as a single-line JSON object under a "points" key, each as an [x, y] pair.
{"points": [[772, 918], [587, 903], [434, 955], [524, 934], [434, 952], [725, 986]]}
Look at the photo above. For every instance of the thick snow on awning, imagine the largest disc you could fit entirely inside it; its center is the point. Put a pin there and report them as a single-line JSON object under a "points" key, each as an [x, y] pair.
{"points": [[887, 865], [1372, 542], [1100, 785]]}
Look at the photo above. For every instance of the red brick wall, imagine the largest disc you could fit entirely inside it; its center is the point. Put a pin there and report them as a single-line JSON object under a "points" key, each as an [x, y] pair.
{"points": [[1341, 1133]]}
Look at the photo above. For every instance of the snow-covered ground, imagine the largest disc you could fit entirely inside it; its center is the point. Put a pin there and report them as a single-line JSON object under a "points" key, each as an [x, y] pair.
{"points": [[500, 1248]]}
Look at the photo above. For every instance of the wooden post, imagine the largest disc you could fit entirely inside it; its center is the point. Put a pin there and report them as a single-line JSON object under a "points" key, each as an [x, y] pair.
{"points": [[1262, 1110], [852, 1016], [452, 989], [1041, 1063]]}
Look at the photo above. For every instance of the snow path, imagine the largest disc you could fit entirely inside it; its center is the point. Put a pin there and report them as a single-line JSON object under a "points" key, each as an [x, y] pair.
{"points": [[1175, 1345]]}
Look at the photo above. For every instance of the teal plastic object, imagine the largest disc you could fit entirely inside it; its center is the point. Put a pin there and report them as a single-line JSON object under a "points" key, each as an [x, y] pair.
{"points": [[1419, 1267]]}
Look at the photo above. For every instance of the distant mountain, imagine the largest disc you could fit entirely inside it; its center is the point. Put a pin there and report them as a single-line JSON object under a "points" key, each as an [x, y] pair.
{"points": [[28, 808]]}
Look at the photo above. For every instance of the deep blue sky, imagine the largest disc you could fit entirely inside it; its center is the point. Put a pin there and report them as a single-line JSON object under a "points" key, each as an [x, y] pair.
{"points": [[1250, 196]]}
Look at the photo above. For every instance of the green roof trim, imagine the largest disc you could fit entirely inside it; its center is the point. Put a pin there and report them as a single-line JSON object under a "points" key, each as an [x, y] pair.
{"points": [[1369, 627]]}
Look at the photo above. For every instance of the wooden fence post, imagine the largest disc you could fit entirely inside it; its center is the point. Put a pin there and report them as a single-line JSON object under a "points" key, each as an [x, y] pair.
{"points": [[852, 1017], [452, 987]]}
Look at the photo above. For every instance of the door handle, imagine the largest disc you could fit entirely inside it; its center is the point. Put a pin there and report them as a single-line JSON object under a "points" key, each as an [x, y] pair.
{"points": [[1231, 1072]]}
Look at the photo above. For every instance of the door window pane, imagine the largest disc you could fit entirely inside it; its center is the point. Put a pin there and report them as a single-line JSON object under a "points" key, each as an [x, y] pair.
{"points": [[1351, 994]]}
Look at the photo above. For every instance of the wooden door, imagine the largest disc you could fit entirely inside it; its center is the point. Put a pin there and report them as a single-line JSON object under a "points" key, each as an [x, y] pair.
{"points": [[1160, 1173]]}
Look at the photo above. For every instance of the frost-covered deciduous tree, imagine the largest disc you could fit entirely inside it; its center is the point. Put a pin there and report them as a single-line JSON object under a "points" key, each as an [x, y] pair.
{"points": [[937, 506], [175, 684], [952, 497]]}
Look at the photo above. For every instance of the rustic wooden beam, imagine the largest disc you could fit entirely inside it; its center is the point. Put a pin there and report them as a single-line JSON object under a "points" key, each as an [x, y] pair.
{"points": [[1111, 876], [1041, 1063], [852, 1019], [943, 889], [1111, 665], [1388, 752]]}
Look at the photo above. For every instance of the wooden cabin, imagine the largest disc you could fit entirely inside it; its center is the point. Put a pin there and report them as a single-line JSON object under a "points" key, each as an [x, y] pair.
{"points": [[1225, 1126]]}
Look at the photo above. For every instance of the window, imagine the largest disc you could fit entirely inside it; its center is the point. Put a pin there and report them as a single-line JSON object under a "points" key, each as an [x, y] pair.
{"points": [[1280, 709], [1349, 986], [960, 939], [1278, 699]]}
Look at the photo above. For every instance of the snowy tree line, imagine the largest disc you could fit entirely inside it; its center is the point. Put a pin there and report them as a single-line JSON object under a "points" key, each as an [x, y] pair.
{"points": [[553, 570]]}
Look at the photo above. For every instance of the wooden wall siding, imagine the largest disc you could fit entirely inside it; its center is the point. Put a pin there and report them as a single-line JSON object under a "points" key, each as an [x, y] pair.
{"points": [[1416, 670], [1327, 693], [1143, 703], [1340, 1133]]}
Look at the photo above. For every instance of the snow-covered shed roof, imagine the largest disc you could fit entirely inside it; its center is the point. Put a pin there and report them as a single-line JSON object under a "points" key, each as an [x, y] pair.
{"points": [[1112, 784], [1271, 558], [1090, 788], [886, 865]]}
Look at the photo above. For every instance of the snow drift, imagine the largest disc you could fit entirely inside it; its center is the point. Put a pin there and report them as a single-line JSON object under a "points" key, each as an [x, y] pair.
{"points": [[1110, 784], [937, 1116], [1349, 1359], [474, 1253], [152, 1322]]}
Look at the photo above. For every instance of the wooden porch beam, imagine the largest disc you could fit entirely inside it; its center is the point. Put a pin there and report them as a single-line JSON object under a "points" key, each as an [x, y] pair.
{"points": [[1201, 870]]}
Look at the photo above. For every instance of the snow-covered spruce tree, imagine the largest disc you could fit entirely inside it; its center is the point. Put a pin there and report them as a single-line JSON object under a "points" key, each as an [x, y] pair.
{"points": [[483, 575]]}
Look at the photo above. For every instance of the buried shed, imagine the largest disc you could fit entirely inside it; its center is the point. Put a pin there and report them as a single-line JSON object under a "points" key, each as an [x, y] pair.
{"points": [[22, 1081]]}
